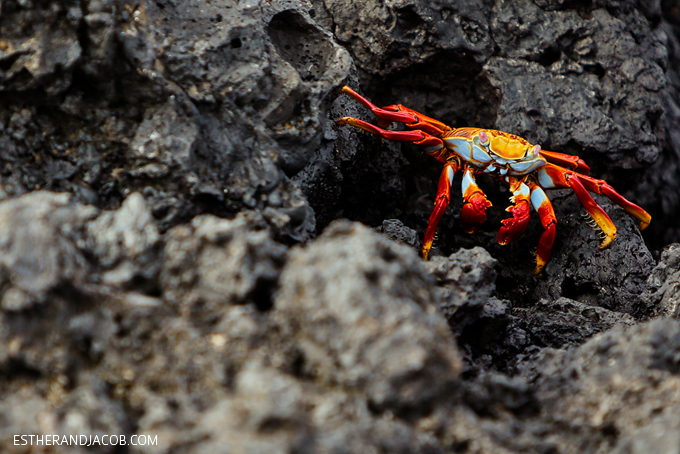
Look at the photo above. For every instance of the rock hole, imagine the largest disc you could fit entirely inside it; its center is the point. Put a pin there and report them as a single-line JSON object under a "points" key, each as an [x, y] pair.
{"points": [[584, 293], [301, 44], [230, 373], [297, 367], [409, 17], [272, 424], [7, 62], [596, 69], [236, 43], [460, 446], [591, 314], [610, 430], [262, 294], [549, 56], [15, 369], [467, 99], [372, 276]]}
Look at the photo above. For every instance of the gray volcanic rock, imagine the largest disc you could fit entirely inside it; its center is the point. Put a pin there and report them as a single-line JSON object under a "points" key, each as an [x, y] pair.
{"points": [[663, 284], [40, 251], [44, 56], [555, 73], [201, 107], [218, 261], [565, 322], [126, 242], [465, 278], [166, 167], [361, 309], [623, 382], [613, 278], [397, 231]]}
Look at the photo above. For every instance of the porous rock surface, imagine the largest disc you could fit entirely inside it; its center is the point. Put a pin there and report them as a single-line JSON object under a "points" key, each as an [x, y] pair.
{"points": [[663, 285], [172, 262]]}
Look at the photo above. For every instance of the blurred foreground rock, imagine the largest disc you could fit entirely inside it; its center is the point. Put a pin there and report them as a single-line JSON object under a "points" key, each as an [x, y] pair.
{"points": [[366, 319], [202, 362], [351, 349], [624, 382]]}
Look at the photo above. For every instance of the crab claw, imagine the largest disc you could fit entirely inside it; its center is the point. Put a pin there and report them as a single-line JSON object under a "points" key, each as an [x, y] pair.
{"points": [[473, 213], [515, 226], [475, 203]]}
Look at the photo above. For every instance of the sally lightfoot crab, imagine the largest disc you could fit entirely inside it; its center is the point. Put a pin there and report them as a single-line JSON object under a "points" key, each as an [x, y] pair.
{"points": [[526, 168]]}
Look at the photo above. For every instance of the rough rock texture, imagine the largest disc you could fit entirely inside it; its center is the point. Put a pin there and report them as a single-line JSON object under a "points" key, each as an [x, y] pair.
{"points": [[596, 386], [403, 356], [663, 292], [613, 278], [201, 108], [172, 264], [466, 277], [566, 322], [201, 366], [397, 231], [559, 72], [585, 81], [126, 242], [212, 262]]}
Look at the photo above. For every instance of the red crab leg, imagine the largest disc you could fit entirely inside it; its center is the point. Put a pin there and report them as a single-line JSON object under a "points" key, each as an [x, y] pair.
{"points": [[440, 204], [401, 114], [475, 203], [552, 176], [431, 143], [602, 187], [542, 205], [566, 160], [513, 227]]}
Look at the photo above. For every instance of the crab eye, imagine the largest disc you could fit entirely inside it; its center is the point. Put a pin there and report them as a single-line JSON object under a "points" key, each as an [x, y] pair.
{"points": [[536, 150], [481, 138]]}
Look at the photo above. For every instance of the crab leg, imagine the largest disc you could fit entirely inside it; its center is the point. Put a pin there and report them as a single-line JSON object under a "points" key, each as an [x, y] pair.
{"points": [[475, 203], [430, 143], [513, 227], [401, 114], [566, 160], [552, 176], [602, 187], [542, 205], [440, 204]]}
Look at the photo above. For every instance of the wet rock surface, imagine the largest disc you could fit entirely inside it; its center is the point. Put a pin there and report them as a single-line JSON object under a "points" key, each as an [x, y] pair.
{"points": [[174, 262]]}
